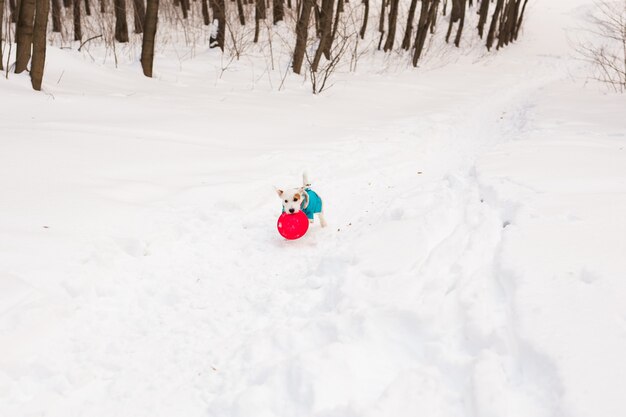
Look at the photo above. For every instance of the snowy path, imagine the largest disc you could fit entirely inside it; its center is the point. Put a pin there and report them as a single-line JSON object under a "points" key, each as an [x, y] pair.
{"points": [[194, 305]]}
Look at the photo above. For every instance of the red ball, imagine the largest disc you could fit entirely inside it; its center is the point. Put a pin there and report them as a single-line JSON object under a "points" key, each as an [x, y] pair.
{"points": [[293, 226]]}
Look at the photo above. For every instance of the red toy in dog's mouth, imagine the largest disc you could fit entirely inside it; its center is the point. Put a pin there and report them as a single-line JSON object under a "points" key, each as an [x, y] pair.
{"points": [[293, 226]]}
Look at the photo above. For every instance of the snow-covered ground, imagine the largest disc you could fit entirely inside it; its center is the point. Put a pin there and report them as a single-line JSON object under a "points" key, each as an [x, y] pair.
{"points": [[474, 264]]}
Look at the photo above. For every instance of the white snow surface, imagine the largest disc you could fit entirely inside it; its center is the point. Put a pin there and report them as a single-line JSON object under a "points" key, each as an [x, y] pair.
{"points": [[474, 265]]}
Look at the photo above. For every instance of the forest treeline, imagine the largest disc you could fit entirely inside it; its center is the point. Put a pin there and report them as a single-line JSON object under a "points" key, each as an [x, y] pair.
{"points": [[317, 42]]}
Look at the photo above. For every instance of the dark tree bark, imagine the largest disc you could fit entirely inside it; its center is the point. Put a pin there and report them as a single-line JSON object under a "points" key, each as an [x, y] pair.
{"points": [[184, 7], [206, 19], [428, 13], [494, 23], [455, 15], [459, 31], [393, 20], [326, 20], [381, 22], [102, 6], [259, 14], [139, 15], [302, 33], [67, 3], [150, 28], [219, 14], [42, 9], [482, 16], [366, 13], [1, 24], [406, 41], [56, 16], [338, 10], [13, 10], [520, 20], [278, 11], [87, 8], [242, 17], [78, 32], [24, 34], [121, 25]]}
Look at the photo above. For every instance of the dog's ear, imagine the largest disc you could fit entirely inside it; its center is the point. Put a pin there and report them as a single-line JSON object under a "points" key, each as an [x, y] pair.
{"points": [[279, 192]]}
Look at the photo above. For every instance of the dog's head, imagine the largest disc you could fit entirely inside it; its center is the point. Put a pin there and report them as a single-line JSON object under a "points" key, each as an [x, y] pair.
{"points": [[292, 199]]}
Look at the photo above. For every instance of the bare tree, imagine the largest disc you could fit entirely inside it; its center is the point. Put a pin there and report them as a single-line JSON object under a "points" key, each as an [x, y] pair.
{"points": [[219, 14], [483, 15], [278, 11], [24, 34], [150, 28], [606, 51], [326, 20], [139, 15], [259, 14], [78, 32], [205, 13], [42, 9], [406, 41], [1, 33], [240, 13], [56, 16], [393, 19], [366, 13], [302, 32], [121, 24]]}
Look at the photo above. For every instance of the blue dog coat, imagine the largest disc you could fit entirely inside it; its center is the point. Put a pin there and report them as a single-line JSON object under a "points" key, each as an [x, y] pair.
{"points": [[314, 203]]}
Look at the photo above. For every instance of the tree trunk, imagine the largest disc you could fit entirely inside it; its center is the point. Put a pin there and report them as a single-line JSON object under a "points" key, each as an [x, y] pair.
{"points": [[121, 25], [428, 13], [184, 7], [242, 17], [482, 16], [259, 14], [381, 22], [150, 28], [329, 44], [139, 14], [219, 14], [78, 33], [24, 34], [302, 31], [455, 15], [365, 17], [519, 21], [406, 42], [102, 6], [278, 11], [13, 10], [1, 24], [67, 3], [87, 8], [393, 19], [494, 24], [206, 19], [56, 16], [459, 31], [42, 9], [326, 20]]}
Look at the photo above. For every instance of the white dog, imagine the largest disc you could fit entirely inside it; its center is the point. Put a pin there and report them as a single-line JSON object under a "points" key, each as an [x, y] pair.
{"points": [[303, 198]]}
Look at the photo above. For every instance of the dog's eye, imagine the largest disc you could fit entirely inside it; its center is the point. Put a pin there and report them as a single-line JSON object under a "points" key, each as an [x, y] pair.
{"points": [[286, 201], [295, 199]]}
